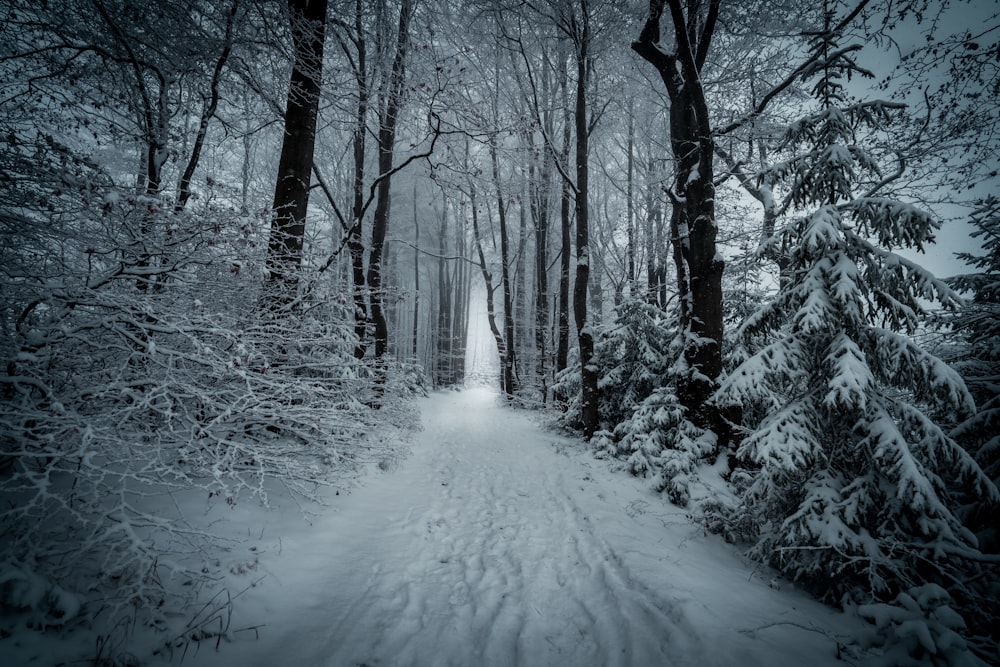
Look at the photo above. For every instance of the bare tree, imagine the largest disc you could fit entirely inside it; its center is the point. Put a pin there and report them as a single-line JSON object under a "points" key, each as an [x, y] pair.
{"points": [[307, 22], [507, 358], [693, 228], [358, 59], [392, 98], [578, 27]]}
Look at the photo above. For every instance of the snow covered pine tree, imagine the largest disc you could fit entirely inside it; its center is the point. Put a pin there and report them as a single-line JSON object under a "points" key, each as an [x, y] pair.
{"points": [[644, 422], [854, 489], [979, 324]]}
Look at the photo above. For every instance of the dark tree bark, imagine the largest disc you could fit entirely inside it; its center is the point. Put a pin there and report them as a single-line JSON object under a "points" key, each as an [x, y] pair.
{"points": [[416, 273], [505, 383], [393, 95], [460, 322], [460, 301], [585, 334], [565, 220], [355, 246], [307, 20], [540, 214], [522, 296], [506, 359], [630, 201], [442, 367], [693, 227]]}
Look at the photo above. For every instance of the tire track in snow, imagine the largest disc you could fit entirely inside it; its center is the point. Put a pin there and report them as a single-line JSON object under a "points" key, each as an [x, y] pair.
{"points": [[500, 566]]}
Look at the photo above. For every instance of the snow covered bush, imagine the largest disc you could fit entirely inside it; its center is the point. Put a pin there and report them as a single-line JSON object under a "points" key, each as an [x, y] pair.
{"points": [[47, 604], [632, 353], [658, 440], [855, 489], [139, 369], [643, 423], [919, 627], [634, 356]]}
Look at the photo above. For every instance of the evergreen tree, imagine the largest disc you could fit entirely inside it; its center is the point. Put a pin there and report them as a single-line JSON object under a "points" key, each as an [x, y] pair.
{"points": [[979, 324], [855, 488], [644, 424], [632, 356]]}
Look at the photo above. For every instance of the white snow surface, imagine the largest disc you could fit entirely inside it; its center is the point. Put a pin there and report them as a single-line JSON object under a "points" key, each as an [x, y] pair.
{"points": [[497, 542]]}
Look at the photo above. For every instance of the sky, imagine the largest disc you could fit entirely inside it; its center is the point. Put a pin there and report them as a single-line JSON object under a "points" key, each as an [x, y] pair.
{"points": [[979, 17]]}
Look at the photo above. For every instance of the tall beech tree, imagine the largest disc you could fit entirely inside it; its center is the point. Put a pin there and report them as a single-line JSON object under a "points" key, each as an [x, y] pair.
{"points": [[307, 22], [507, 358], [540, 190], [391, 103], [580, 30], [693, 228], [506, 374], [353, 43], [565, 228], [573, 20]]}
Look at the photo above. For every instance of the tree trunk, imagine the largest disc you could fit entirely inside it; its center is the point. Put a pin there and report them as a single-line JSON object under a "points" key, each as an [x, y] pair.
{"points": [[416, 273], [291, 191], [656, 246], [490, 290], [540, 204], [630, 203], [442, 370], [460, 322], [522, 300], [596, 284], [393, 94], [355, 246], [693, 227], [562, 346], [507, 360], [585, 333]]}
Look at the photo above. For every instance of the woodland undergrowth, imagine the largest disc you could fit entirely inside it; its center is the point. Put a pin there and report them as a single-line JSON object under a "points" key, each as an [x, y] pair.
{"points": [[150, 362]]}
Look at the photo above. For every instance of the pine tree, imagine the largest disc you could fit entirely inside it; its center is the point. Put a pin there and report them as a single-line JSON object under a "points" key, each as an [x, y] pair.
{"points": [[854, 488], [645, 425], [632, 356], [979, 325]]}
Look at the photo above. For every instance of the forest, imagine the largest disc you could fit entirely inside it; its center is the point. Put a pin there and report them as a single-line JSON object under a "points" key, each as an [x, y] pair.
{"points": [[747, 250]]}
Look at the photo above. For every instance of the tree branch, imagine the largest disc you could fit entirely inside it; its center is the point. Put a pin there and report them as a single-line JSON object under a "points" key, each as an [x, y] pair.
{"points": [[329, 196], [431, 254], [536, 106], [760, 108], [372, 191], [208, 112], [706, 34]]}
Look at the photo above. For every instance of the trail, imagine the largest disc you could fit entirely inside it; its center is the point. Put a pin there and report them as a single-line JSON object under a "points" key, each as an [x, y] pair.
{"points": [[496, 543]]}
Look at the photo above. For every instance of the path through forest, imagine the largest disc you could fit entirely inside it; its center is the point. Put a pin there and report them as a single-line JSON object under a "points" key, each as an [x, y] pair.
{"points": [[498, 543]]}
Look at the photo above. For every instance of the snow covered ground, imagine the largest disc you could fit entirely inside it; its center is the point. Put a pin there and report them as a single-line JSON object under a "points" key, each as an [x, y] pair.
{"points": [[494, 543]]}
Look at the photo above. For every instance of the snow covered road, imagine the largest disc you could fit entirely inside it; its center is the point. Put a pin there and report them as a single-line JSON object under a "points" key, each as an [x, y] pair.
{"points": [[497, 543]]}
